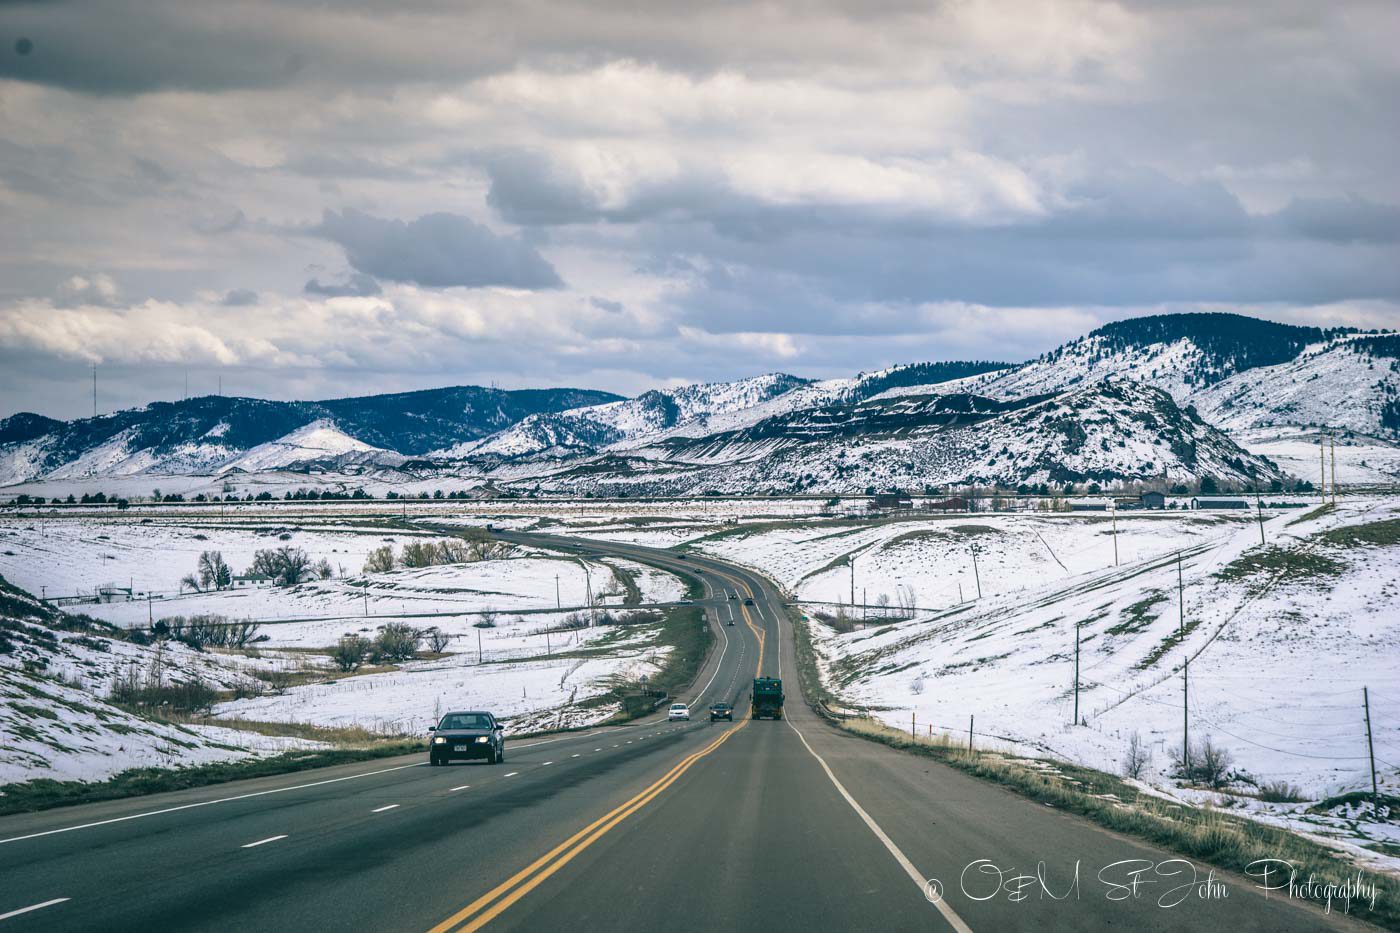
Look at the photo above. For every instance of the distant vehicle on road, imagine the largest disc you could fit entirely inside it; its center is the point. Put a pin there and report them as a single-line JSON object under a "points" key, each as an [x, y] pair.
{"points": [[467, 735], [767, 702], [682, 557], [731, 621], [679, 712], [721, 711], [749, 601], [733, 595]]}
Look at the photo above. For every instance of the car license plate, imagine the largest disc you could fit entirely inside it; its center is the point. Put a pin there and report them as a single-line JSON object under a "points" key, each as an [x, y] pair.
{"points": [[459, 748]]}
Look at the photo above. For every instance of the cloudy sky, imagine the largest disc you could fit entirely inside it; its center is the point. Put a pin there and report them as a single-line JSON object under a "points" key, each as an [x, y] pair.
{"points": [[308, 199]]}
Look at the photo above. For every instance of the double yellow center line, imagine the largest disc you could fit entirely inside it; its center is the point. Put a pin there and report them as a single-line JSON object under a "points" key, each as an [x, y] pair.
{"points": [[491, 904]]}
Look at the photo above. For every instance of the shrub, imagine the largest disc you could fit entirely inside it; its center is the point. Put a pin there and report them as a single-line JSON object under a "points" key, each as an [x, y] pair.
{"points": [[380, 560], [396, 642], [1280, 792], [438, 640], [350, 652]]}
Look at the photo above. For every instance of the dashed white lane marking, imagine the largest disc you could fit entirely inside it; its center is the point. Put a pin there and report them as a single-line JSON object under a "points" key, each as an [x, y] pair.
{"points": [[599, 749], [614, 746], [543, 763], [919, 880], [573, 756], [207, 803], [512, 774], [25, 910], [382, 809], [260, 842], [460, 787]]}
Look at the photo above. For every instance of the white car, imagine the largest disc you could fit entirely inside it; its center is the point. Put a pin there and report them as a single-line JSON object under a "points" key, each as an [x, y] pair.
{"points": [[678, 712]]}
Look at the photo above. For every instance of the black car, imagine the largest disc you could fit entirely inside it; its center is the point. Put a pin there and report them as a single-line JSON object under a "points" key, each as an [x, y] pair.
{"points": [[465, 736], [721, 711], [748, 602]]}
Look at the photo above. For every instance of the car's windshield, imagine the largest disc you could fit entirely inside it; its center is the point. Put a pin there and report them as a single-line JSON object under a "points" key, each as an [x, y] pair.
{"points": [[678, 706], [465, 721]]}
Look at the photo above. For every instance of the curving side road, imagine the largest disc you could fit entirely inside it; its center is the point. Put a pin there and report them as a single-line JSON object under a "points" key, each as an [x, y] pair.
{"points": [[760, 825]]}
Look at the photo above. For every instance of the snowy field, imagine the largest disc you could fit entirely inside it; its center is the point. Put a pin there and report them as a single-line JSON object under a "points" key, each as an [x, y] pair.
{"points": [[1280, 647], [71, 556], [1360, 460]]}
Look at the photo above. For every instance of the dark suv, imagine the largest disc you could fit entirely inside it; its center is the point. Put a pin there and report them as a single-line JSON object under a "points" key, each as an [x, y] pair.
{"points": [[467, 735], [721, 711]]}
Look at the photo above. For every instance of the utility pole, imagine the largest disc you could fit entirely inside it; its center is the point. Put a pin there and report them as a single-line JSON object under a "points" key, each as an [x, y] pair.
{"points": [[1333, 441], [1185, 663], [478, 646], [975, 574], [960, 596], [366, 599], [558, 602], [1322, 461], [1113, 514], [1259, 504], [864, 608], [547, 651], [970, 720], [1076, 673], [852, 562], [1371, 751]]}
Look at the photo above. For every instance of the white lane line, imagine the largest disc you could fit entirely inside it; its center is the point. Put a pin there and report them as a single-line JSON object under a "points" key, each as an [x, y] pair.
{"points": [[599, 749], [573, 756], [25, 910], [459, 787], [512, 774], [920, 881], [208, 803], [253, 845], [382, 809], [261, 793], [543, 763]]}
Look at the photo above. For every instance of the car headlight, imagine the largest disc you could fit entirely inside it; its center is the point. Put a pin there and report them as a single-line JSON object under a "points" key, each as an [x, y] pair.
{"points": [[439, 740], [483, 738]]}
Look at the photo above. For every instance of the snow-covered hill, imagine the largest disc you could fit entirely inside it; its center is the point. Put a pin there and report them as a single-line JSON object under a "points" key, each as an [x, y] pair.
{"points": [[584, 430], [1240, 373], [1105, 432], [318, 442]]}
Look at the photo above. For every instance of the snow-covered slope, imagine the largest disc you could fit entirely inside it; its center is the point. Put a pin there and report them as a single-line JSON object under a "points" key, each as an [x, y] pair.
{"points": [[1239, 373], [584, 430], [56, 720], [1344, 384]]}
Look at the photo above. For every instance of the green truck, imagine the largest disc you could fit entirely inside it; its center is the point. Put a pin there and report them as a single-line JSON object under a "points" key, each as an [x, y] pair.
{"points": [[767, 698]]}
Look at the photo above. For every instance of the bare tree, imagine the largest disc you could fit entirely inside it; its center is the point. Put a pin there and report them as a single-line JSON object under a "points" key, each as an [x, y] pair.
{"points": [[213, 571], [1137, 759], [324, 569], [486, 618], [287, 565], [438, 640]]}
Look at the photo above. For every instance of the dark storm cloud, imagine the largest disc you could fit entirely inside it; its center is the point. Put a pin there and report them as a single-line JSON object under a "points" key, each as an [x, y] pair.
{"points": [[240, 298], [356, 285], [436, 250]]}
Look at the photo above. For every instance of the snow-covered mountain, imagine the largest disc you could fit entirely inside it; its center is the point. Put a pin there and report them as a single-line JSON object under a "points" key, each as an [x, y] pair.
{"points": [[1104, 432], [201, 435]]}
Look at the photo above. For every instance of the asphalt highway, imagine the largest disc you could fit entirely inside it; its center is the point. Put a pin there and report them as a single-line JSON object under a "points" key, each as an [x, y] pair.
{"points": [[756, 825]]}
